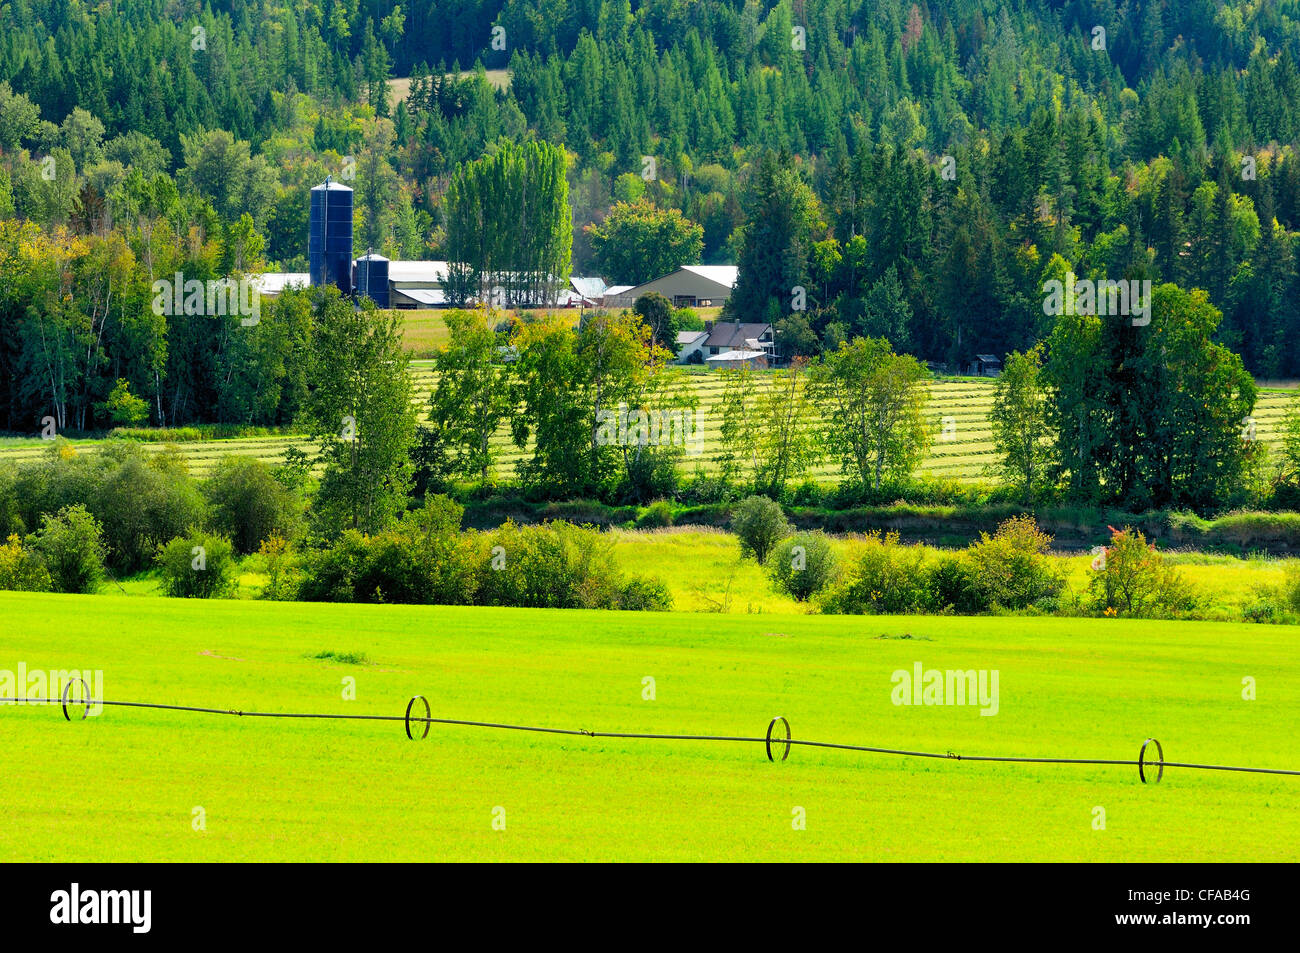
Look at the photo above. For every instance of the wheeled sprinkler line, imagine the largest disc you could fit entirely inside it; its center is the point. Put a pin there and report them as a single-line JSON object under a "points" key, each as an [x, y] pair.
{"points": [[772, 741]]}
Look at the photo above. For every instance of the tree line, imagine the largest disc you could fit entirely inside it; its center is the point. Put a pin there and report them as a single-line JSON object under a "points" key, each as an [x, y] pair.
{"points": [[1106, 411], [931, 187]]}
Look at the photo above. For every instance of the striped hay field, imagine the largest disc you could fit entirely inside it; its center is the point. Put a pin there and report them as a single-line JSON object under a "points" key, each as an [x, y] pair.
{"points": [[963, 449]]}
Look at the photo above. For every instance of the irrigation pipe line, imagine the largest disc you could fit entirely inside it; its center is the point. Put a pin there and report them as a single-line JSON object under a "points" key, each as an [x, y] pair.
{"points": [[774, 743]]}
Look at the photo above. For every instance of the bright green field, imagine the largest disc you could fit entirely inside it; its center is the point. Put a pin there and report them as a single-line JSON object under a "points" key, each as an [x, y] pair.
{"points": [[123, 786]]}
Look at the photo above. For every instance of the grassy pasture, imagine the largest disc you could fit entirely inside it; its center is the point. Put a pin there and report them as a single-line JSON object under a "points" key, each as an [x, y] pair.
{"points": [[424, 332], [124, 785]]}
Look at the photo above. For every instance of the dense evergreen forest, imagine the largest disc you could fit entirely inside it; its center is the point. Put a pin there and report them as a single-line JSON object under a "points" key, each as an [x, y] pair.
{"points": [[919, 169]]}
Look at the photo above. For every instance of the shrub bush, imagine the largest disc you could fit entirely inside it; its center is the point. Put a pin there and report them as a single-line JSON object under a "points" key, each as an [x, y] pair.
{"points": [[656, 516], [643, 594], [554, 565], [688, 319], [143, 504], [651, 472], [1263, 608], [21, 570], [1291, 587], [761, 524], [1286, 494], [422, 559], [884, 576], [803, 565], [431, 456], [426, 559], [559, 565], [198, 565], [950, 585], [71, 546], [811, 493], [60, 477], [1011, 569], [705, 489], [280, 563], [330, 574], [249, 505], [1132, 579]]}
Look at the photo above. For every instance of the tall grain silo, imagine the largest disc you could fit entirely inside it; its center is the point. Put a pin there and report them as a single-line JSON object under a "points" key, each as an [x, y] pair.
{"points": [[329, 242], [372, 279]]}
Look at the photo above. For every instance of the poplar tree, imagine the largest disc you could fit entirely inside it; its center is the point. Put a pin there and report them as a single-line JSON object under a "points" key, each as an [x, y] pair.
{"points": [[509, 226]]}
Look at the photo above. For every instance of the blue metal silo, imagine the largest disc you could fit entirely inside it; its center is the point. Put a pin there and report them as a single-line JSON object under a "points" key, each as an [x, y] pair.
{"points": [[372, 279], [329, 243]]}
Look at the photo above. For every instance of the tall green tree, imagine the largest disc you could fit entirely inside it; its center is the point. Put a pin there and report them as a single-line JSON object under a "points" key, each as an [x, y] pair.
{"points": [[360, 408], [775, 244], [638, 242], [222, 169], [1022, 431], [789, 442], [509, 225], [874, 403], [1155, 414], [472, 393], [1075, 377], [1195, 401], [657, 313], [768, 437], [739, 427], [618, 356], [262, 370], [553, 414]]}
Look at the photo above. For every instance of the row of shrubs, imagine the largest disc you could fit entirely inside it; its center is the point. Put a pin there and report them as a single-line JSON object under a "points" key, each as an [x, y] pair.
{"points": [[425, 558], [68, 554], [703, 489], [65, 555], [820, 499], [1235, 532], [68, 518], [142, 499], [194, 433], [1009, 571]]}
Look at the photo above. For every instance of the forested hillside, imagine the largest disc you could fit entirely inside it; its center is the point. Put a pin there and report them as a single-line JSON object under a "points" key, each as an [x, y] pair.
{"points": [[918, 169]]}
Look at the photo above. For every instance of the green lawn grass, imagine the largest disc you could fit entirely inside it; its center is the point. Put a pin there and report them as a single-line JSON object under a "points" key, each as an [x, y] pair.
{"points": [[124, 785]]}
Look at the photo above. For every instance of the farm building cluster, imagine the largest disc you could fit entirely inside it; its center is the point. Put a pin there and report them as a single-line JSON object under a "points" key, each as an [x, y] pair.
{"points": [[409, 285], [424, 284]]}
